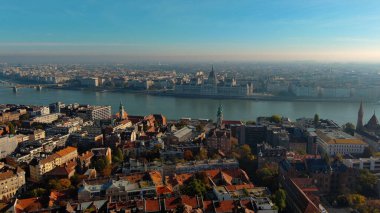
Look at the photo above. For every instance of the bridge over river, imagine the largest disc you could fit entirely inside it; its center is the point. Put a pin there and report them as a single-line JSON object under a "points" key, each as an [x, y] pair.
{"points": [[17, 86]]}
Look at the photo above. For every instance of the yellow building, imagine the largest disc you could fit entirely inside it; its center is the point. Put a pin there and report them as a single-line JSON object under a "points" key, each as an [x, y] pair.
{"points": [[39, 167]]}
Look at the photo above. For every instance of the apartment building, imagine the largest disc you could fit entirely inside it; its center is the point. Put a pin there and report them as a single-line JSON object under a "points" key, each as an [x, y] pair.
{"points": [[38, 167]]}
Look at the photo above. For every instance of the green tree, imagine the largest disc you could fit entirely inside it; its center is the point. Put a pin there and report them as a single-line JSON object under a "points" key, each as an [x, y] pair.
{"points": [[279, 199], [349, 128], [12, 128], [194, 187], [100, 164], [316, 119], [250, 123], [275, 118], [118, 157], [38, 192], [202, 154], [267, 176], [366, 183]]}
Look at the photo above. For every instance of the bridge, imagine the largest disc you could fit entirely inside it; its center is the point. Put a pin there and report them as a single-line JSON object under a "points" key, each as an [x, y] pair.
{"points": [[17, 86]]}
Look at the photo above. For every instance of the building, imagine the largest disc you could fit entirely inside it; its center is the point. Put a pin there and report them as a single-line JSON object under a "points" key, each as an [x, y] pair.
{"points": [[251, 135], [12, 180], [102, 152], [8, 144], [213, 86], [45, 119], [125, 188], [95, 112], [302, 195], [38, 167], [370, 132], [269, 154], [37, 135], [372, 164], [335, 142], [197, 166], [182, 135], [219, 140]]}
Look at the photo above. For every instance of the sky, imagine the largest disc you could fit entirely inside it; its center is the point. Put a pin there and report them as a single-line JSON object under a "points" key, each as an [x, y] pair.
{"points": [[247, 30]]}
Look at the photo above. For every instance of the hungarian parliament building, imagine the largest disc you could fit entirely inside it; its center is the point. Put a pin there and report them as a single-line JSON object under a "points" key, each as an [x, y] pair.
{"points": [[213, 87]]}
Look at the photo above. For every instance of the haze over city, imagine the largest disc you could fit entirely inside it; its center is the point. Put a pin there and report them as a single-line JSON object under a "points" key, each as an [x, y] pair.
{"points": [[196, 106], [75, 31]]}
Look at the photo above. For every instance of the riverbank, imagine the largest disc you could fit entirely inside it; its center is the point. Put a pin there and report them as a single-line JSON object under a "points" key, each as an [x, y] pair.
{"points": [[257, 97]]}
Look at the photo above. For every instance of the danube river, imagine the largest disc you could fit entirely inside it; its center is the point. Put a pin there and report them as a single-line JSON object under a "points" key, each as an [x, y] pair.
{"points": [[175, 107]]}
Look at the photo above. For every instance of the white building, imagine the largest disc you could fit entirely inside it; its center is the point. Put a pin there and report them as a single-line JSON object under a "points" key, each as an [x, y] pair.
{"points": [[332, 142], [372, 164]]}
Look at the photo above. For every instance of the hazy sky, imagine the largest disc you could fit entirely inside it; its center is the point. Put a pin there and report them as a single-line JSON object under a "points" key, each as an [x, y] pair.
{"points": [[344, 30]]}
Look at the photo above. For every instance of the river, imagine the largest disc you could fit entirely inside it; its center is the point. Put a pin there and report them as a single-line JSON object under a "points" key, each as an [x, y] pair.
{"points": [[176, 107]]}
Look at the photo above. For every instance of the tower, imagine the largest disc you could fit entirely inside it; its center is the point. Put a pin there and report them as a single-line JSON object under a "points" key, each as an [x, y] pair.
{"points": [[212, 77], [122, 114], [219, 117], [359, 124]]}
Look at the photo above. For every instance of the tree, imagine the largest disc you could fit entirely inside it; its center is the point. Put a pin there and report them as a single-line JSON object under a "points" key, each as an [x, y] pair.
{"points": [[24, 117], [349, 128], [250, 123], [202, 154], [194, 187], [65, 183], [12, 128], [279, 199], [100, 164], [267, 176], [275, 118], [356, 200], [316, 119], [107, 171], [366, 183], [118, 157], [188, 155], [54, 184], [38, 192]]}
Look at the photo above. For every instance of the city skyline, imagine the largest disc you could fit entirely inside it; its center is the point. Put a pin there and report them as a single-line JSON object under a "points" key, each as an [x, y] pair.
{"points": [[191, 31]]}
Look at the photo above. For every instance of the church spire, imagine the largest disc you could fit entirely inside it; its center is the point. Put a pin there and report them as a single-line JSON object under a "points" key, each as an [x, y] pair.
{"points": [[219, 117], [359, 124], [122, 113]]}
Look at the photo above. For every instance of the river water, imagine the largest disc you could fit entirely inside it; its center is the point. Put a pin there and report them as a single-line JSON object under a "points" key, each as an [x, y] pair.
{"points": [[176, 107]]}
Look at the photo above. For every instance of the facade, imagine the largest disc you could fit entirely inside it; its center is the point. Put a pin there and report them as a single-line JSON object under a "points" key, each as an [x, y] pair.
{"points": [[8, 144], [136, 186], [335, 142], [371, 164], [40, 167], [46, 119], [37, 135], [95, 112], [213, 87], [12, 180]]}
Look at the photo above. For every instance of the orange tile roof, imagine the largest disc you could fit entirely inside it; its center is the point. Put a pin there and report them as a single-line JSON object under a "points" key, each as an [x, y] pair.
{"points": [[6, 175], [152, 205], [161, 190], [49, 158], [156, 177], [86, 156], [66, 151], [26, 205], [224, 206], [191, 201]]}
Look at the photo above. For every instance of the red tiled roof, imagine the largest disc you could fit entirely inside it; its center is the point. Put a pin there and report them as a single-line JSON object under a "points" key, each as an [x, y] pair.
{"points": [[229, 122], [152, 205], [27, 205], [224, 206]]}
